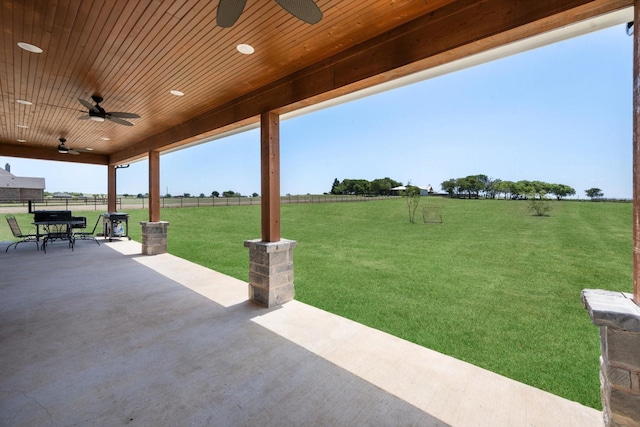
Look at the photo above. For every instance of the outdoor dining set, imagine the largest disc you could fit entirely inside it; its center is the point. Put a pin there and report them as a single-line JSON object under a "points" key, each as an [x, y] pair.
{"points": [[61, 225]]}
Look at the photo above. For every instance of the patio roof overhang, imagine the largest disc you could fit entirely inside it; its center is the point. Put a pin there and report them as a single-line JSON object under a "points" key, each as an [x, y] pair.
{"points": [[133, 54]]}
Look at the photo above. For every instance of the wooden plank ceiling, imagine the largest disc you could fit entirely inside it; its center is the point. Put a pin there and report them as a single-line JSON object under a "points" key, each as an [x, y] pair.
{"points": [[134, 52]]}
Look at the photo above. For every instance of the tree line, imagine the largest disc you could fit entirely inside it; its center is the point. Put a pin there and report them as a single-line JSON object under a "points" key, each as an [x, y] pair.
{"points": [[377, 187], [476, 186]]}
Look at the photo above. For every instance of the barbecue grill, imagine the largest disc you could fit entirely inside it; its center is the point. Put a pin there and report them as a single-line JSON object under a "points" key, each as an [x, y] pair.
{"points": [[115, 224]]}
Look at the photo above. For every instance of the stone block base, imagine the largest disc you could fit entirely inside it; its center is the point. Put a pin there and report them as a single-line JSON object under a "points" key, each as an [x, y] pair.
{"points": [[154, 237], [618, 317], [271, 271]]}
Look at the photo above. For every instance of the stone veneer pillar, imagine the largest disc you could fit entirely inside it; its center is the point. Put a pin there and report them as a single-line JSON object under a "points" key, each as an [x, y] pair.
{"points": [[270, 271], [618, 317], [154, 237]]}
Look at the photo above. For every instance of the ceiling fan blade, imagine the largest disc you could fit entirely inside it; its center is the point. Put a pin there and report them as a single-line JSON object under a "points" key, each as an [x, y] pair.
{"points": [[305, 10], [118, 120], [88, 105], [87, 117], [72, 151], [229, 11], [124, 115]]}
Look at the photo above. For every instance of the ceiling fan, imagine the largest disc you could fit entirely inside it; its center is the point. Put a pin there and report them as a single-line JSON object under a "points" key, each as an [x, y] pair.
{"points": [[98, 114], [65, 149], [306, 10]]}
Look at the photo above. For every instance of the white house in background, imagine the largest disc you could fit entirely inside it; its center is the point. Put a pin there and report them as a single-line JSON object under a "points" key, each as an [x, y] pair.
{"points": [[424, 191], [19, 189]]}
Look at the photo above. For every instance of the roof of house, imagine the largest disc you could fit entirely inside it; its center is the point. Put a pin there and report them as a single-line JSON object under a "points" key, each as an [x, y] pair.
{"points": [[63, 196], [402, 188], [9, 180]]}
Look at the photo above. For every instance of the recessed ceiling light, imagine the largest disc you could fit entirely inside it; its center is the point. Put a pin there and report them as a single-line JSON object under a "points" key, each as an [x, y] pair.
{"points": [[104, 138], [245, 49], [30, 47], [23, 102], [23, 126], [176, 92], [88, 149], [21, 140]]}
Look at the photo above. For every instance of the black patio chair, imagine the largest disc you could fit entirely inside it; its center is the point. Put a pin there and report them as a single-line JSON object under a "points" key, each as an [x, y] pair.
{"points": [[17, 233], [80, 223], [86, 235]]}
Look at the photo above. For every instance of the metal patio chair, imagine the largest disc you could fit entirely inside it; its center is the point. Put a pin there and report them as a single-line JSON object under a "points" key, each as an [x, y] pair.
{"points": [[17, 233], [86, 235]]}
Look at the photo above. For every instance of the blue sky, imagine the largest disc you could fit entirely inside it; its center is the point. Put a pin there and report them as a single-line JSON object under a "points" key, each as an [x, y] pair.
{"points": [[560, 114]]}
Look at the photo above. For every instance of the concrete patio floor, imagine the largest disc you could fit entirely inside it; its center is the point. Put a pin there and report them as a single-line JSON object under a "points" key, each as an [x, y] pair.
{"points": [[105, 336]]}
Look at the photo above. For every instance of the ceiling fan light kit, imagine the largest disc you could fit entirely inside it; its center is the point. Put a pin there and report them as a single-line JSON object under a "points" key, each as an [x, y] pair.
{"points": [[64, 149], [98, 114]]}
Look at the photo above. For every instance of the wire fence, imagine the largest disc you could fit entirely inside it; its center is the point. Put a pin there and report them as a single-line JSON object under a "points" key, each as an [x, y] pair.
{"points": [[125, 203]]}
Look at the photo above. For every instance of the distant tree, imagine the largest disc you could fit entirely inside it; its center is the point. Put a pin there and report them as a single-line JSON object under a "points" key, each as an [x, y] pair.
{"points": [[356, 186], [502, 187], [475, 184], [215, 194], [449, 186], [463, 187], [594, 193], [202, 195], [230, 193], [255, 195], [335, 187], [383, 186], [491, 187], [483, 182], [140, 196], [522, 189], [186, 195], [380, 186], [168, 196], [561, 191], [540, 188]]}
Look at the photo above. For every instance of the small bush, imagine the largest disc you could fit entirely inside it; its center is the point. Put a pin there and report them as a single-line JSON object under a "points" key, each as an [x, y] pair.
{"points": [[541, 206]]}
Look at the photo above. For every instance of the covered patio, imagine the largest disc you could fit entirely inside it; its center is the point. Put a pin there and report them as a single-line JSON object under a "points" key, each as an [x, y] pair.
{"points": [[106, 336]]}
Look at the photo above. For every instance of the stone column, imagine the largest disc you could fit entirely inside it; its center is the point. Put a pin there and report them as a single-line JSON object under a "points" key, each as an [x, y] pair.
{"points": [[618, 317], [270, 271], [154, 237]]}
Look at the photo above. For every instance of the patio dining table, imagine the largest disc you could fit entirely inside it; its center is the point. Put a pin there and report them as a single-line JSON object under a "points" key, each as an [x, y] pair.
{"points": [[58, 229]]}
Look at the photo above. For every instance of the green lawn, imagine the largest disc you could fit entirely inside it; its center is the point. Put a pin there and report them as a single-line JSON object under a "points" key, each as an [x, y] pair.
{"points": [[492, 285]]}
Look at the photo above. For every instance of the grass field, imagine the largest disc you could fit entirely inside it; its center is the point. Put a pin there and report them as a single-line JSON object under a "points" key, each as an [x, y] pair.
{"points": [[492, 285]]}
